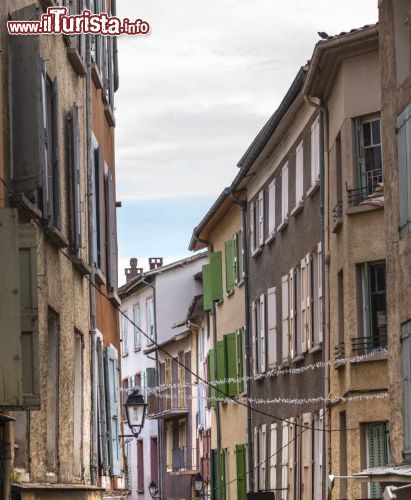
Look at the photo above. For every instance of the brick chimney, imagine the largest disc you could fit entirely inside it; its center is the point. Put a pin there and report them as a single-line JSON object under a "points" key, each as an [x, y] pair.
{"points": [[133, 271], [155, 262]]}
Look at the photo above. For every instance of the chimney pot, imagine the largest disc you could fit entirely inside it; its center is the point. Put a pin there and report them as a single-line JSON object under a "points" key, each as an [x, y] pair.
{"points": [[132, 271]]}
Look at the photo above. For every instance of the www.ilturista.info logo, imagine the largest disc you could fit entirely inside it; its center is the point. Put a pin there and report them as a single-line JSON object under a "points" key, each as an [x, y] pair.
{"points": [[58, 22]]}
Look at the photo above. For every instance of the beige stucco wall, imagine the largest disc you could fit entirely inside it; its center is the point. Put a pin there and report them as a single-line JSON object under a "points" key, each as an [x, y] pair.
{"points": [[230, 317], [359, 239], [60, 286]]}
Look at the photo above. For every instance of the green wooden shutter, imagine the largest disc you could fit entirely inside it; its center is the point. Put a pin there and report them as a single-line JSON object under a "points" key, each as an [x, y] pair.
{"points": [[229, 266], [240, 359], [113, 422], [230, 347], [221, 368], [237, 277], [406, 375], [207, 287], [211, 375], [216, 276], [241, 472]]}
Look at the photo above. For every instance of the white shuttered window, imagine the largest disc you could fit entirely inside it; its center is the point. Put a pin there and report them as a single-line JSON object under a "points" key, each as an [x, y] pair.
{"points": [[271, 208], [299, 174], [273, 457], [272, 327], [285, 327], [315, 151]]}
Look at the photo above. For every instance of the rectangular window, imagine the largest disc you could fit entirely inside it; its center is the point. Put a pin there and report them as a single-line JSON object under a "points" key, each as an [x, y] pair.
{"points": [[373, 307], [404, 169], [124, 334], [150, 318], [140, 465], [406, 378], [255, 333], [285, 334], [253, 227], [271, 208], [298, 312], [98, 207], [75, 182], [315, 152], [306, 453], [284, 194], [261, 218], [169, 445], [293, 456], [78, 406], [53, 334], [239, 257], [291, 311], [375, 446], [272, 327], [299, 175], [343, 454], [136, 320], [317, 455], [263, 457], [262, 339], [369, 159], [341, 310]]}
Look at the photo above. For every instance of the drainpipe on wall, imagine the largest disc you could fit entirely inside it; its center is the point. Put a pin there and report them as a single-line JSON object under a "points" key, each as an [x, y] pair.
{"points": [[218, 495], [250, 452], [324, 275], [92, 292]]}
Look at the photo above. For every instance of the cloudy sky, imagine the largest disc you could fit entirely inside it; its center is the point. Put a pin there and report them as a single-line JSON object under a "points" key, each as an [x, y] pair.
{"points": [[193, 95]]}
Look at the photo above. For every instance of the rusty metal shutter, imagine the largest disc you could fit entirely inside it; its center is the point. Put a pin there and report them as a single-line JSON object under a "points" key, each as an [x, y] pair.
{"points": [[26, 110]]}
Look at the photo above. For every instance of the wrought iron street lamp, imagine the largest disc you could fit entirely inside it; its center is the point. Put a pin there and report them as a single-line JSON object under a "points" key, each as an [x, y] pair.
{"points": [[198, 483], [152, 488], [135, 411]]}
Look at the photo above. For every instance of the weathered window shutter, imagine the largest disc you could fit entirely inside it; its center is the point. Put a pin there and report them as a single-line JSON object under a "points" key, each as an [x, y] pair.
{"points": [[151, 378], [221, 369], [271, 208], [216, 276], [201, 409], [240, 359], [230, 348], [101, 210], [29, 315], [285, 334], [291, 289], [307, 455], [55, 153], [263, 456], [113, 420], [292, 458], [366, 300], [256, 459], [299, 174], [406, 385], [272, 326], [207, 302], [241, 472], [211, 377], [284, 193], [377, 453], [102, 409], [404, 168], [315, 151], [10, 358], [320, 293], [284, 461], [75, 183], [309, 301], [359, 151], [262, 353], [253, 337], [229, 266], [111, 231], [273, 457], [136, 321], [304, 312], [261, 218], [236, 263], [26, 109], [252, 227]]}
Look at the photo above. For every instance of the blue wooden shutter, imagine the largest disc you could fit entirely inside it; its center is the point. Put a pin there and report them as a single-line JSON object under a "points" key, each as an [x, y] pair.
{"points": [[406, 386], [404, 168], [113, 416]]}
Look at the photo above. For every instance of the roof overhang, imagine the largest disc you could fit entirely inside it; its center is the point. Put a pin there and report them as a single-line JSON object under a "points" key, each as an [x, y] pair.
{"points": [[386, 474], [172, 340], [329, 54], [172, 413]]}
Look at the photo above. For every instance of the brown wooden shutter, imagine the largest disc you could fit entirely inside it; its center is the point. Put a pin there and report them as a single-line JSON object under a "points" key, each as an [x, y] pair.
{"points": [[26, 103]]}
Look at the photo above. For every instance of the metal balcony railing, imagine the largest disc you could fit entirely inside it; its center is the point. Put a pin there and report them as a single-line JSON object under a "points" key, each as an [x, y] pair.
{"points": [[184, 459], [374, 179], [363, 345]]}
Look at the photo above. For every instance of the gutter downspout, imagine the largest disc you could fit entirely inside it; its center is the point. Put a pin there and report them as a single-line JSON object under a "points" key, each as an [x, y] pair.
{"points": [[250, 451], [218, 495], [324, 276], [160, 423], [92, 296]]}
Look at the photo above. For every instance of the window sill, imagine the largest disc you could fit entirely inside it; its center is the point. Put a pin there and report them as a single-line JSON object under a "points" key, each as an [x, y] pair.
{"points": [[284, 364], [315, 187], [100, 277], [358, 209], [371, 359], [297, 209], [124, 354], [81, 265], [35, 212], [256, 251], [220, 302], [316, 348], [137, 349], [283, 225], [337, 225], [114, 298], [76, 61], [298, 358], [108, 111], [230, 292], [57, 237], [96, 76], [240, 283], [271, 238]]}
